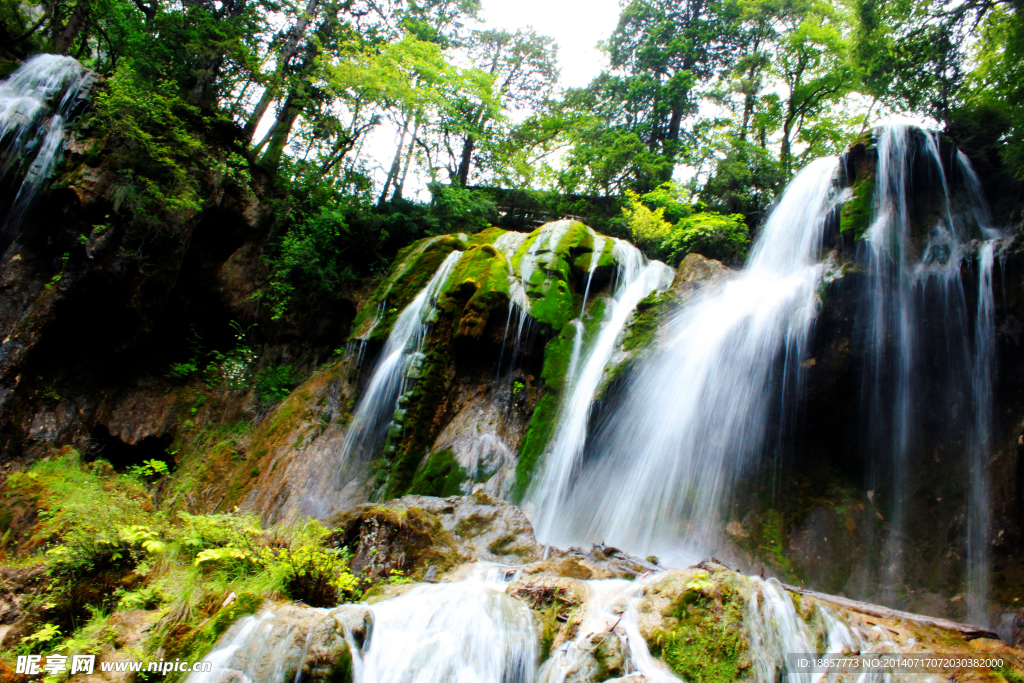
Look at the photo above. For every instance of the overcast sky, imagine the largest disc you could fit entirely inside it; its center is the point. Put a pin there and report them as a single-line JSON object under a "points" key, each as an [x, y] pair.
{"points": [[576, 25]]}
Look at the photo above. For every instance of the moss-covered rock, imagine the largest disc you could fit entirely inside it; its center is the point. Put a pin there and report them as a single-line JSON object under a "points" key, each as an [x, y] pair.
{"points": [[413, 267], [441, 475], [693, 619], [545, 264], [556, 602], [477, 286]]}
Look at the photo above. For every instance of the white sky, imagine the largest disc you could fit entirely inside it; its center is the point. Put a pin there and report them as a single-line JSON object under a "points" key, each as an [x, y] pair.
{"points": [[576, 26]]}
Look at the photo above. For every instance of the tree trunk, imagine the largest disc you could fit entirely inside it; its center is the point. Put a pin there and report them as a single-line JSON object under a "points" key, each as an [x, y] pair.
{"points": [[271, 159], [408, 160], [63, 41], [466, 160], [396, 164], [288, 52]]}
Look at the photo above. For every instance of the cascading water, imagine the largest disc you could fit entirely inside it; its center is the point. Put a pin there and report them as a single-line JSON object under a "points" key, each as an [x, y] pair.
{"points": [[700, 411], [35, 103], [376, 408], [610, 608], [695, 416], [637, 277], [468, 631], [921, 348]]}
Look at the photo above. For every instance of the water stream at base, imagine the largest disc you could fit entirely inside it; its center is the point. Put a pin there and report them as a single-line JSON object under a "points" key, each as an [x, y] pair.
{"points": [[472, 631], [35, 103]]}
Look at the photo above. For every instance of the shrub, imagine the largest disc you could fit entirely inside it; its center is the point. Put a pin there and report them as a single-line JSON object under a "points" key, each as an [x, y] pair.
{"points": [[714, 235], [274, 384], [460, 209], [155, 154], [648, 228]]}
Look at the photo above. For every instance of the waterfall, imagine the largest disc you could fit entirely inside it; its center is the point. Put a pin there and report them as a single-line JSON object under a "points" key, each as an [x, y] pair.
{"points": [[694, 418], [637, 277], [921, 348], [380, 400], [35, 103], [703, 410], [979, 445], [469, 631]]}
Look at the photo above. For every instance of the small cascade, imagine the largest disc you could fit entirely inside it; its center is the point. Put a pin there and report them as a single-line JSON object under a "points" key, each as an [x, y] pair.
{"points": [[776, 632], [377, 405], [278, 644], [35, 103], [518, 302], [695, 416], [467, 631], [637, 277], [610, 608], [595, 257]]}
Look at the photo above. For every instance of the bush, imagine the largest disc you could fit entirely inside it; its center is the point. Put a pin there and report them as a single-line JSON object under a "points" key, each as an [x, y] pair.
{"points": [[274, 384], [155, 154], [714, 235], [460, 209], [648, 228]]}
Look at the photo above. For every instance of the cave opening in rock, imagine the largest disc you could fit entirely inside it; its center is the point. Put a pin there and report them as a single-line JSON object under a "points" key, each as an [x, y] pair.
{"points": [[122, 455]]}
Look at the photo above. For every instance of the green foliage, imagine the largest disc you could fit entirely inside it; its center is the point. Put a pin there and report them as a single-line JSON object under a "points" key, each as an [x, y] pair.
{"points": [[648, 228], [273, 385], [40, 639], [460, 209], [307, 258], [156, 152], [149, 470], [709, 234], [674, 228]]}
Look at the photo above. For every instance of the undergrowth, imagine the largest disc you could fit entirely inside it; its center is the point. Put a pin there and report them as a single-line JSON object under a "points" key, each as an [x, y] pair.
{"points": [[106, 549]]}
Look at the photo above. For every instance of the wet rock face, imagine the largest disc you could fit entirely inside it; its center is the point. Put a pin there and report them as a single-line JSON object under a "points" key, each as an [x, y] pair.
{"points": [[94, 310], [289, 642], [697, 274], [424, 536]]}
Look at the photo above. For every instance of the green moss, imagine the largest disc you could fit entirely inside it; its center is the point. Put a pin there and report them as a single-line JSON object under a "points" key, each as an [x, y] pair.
{"points": [[557, 356], [855, 215], [440, 476], [645, 322], [417, 423], [538, 434], [412, 269], [551, 297], [478, 284], [1009, 674], [342, 671], [486, 236], [707, 644]]}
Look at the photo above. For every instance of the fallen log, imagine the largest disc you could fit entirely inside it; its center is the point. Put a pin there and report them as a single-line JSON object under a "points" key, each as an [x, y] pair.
{"points": [[968, 631]]}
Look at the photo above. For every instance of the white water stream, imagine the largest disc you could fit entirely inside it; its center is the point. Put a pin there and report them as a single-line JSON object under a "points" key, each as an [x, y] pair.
{"points": [[694, 418], [35, 102]]}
